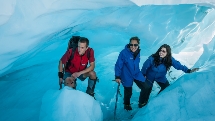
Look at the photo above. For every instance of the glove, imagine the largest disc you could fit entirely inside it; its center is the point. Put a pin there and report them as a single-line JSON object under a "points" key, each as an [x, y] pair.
{"points": [[192, 70]]}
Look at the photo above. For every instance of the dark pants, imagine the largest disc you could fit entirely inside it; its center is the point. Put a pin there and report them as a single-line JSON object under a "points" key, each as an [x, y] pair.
{"points": [[144, 93], [162, 85]]}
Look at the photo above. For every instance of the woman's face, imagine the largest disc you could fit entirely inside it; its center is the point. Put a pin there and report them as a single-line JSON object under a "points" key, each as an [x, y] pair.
{"points": [[163, 52], [133, 45]]}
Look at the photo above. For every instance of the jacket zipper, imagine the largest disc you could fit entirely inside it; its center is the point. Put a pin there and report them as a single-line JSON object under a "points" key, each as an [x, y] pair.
{"points": [[155, 75], [157, 72]]}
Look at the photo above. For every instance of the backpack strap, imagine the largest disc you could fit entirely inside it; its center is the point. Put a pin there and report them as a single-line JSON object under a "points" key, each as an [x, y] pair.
{"points": [[88, 53], [71, 57]]}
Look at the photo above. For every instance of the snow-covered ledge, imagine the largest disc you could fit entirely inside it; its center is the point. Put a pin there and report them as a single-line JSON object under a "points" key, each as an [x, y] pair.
{"points": [[210, 3]]}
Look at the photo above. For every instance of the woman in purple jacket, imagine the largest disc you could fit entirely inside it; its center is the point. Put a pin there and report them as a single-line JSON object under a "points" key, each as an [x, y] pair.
{"points": [[156, 66], [127, 71]]}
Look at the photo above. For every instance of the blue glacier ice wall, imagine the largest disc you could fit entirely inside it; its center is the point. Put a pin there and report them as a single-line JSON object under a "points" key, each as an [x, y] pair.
{"points": [[34, 35]]}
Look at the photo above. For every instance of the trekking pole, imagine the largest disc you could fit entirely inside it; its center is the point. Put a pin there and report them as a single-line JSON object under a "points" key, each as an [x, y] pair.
{"points": [[60, 85], [117, 92]]}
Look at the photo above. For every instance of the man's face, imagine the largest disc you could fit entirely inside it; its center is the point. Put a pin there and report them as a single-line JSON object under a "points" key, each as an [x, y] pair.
{"points": [[82, 47]]}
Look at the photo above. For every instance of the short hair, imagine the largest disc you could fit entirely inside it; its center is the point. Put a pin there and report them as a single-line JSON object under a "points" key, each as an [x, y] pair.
{"points": [[84, 40], [135, 38]]}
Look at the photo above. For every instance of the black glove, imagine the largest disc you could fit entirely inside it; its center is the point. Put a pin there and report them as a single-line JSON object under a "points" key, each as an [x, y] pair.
{"points": [[117, 77], [189, 70], [192, 70], [60, 75]]}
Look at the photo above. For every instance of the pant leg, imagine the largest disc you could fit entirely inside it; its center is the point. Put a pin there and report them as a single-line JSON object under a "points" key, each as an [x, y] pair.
{"points": [[148, 92], [163, 85], [145, 91], [127, 95], [91, 86]]}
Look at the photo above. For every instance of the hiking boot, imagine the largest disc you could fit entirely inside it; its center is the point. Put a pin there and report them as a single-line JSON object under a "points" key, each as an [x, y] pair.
{"points": [[140, 105], [127, 107], [91, 86], [92, 94]]}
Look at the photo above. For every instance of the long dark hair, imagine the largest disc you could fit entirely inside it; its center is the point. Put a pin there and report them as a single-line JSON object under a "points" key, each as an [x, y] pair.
{"points": [[167, 61]]}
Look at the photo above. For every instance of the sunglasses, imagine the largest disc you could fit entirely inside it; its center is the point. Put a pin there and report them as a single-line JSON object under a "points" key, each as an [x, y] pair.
{"points": [[163, 51], [133, 45]]}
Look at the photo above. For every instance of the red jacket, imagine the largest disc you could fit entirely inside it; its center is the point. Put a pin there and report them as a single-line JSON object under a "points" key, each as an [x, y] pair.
{"points": [[79, 62]]}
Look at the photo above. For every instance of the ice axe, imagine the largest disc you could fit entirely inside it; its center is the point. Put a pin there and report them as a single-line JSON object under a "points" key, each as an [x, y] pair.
{"points": [[117, 93]]}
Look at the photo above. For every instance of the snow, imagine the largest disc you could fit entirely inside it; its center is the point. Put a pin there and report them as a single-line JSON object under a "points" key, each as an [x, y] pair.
{"points": [[173, 2], [69, 104]]}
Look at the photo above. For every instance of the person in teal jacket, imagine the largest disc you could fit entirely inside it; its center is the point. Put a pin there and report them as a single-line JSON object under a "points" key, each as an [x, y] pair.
{"points": [[156, 66], [127, 71]]}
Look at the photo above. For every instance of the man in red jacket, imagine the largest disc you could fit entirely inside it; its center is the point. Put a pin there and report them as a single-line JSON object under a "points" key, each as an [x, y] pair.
{"points": [[77, 67]]}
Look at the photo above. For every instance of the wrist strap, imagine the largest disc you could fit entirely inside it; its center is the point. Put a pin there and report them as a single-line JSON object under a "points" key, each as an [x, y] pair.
{"points": [[60, 75]]}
